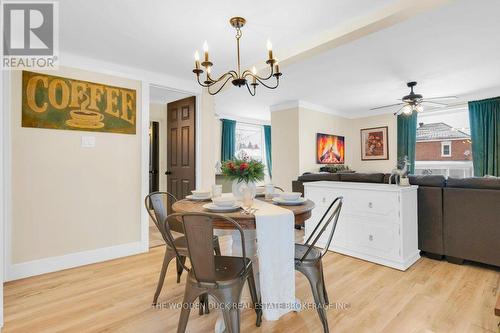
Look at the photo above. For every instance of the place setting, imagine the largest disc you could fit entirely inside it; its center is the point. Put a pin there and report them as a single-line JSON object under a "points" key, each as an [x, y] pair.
{"points": [[289, 199]]}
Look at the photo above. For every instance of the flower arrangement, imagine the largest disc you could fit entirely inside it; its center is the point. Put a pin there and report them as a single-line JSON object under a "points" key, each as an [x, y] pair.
{"points": [[243, 170]]}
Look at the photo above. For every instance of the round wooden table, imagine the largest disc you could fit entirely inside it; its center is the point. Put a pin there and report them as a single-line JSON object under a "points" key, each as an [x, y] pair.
{"points": [[246, 221]]}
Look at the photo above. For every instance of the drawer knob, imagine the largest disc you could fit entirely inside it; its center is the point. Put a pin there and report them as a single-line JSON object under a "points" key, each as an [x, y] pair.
{"points": [[370, 204], [370, 238]]}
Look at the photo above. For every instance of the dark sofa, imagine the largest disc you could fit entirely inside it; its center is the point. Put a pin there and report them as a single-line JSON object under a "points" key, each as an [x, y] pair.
{"points": [[457, 218]]}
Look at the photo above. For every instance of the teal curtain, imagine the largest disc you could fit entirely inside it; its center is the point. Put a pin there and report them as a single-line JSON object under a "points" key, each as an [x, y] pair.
{"points": [[267, 138], [484, 119], [228, 144], [407, 138]]}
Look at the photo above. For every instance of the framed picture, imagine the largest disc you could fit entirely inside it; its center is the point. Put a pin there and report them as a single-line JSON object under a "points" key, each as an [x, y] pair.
{"points": [[374, 144], [329, 149]]}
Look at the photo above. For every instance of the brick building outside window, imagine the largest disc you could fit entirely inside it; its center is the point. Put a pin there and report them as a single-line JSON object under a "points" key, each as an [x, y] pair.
{"points": [[443, 150]]}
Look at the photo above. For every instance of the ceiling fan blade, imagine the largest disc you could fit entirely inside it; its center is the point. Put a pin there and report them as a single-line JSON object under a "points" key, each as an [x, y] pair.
{"points": [[435, 103], [444, 97], [399, 111], [386, 106]]}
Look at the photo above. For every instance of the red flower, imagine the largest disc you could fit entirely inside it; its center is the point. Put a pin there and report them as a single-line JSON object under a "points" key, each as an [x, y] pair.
{"points": [[243, 166], [230, 165]]}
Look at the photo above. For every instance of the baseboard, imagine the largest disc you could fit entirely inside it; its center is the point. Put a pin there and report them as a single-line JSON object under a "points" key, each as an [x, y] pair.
{"points": [[54, 264]]}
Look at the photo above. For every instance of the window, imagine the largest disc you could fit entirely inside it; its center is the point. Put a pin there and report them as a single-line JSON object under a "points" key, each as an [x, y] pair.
{"points": [[446, 149], [250, 143], [443, 143]]}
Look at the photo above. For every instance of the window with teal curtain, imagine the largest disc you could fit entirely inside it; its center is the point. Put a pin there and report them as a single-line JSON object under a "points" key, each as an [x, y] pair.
{"points": [[228, 143], [407, 138], [267, 138], [484, 117]]}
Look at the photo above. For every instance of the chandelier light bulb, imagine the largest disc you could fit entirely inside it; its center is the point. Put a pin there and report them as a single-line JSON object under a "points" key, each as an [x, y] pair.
{"points": [[209, 70], [269, 45], [254, 70], [197, 56], [205, 46]]}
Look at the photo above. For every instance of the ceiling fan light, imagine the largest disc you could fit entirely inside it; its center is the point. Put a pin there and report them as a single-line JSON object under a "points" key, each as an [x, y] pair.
{"points": [[407, 109], [419, 108]]}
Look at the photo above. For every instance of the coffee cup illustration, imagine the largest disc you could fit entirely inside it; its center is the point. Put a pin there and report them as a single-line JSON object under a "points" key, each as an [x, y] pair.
{"points": [[84, 118]]}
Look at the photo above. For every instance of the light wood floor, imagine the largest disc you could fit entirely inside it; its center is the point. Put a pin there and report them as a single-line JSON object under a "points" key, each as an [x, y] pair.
{"points": [[115, 296]]}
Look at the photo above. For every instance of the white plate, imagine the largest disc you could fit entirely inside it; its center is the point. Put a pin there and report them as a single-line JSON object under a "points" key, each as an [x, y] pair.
{"points": [[214, 208], [281, 201], [192, 197]]}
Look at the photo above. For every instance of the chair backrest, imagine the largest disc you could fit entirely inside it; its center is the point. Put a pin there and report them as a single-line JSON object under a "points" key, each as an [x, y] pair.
{"points": [[331, 215], [198, 229], [157, 200]]}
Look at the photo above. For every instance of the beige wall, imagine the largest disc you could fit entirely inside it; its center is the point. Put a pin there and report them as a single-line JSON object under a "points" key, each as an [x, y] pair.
{"points": [[285, 143], [158, 112], [66, 198], [294, 142], [355, 125], [313, 122]]}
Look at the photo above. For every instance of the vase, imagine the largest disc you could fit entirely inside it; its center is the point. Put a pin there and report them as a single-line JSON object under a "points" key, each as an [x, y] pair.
{"points": [[245, 192]]}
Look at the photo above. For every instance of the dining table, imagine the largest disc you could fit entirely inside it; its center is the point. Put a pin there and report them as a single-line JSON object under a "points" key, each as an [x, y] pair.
{"points": [[269, 242]]}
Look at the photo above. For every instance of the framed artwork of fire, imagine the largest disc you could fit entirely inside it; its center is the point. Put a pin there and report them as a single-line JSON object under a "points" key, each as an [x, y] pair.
{"points": [[330, 149]]}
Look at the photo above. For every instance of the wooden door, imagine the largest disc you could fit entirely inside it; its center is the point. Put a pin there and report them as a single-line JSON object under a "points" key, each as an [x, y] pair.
{"points": [[181, 123]]}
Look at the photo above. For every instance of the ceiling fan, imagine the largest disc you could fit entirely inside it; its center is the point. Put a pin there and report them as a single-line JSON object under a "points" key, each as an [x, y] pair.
{"points": [[415, 102]]}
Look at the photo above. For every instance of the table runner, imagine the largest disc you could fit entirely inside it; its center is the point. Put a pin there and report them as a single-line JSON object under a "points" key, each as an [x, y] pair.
{"points": [[275, 249]]}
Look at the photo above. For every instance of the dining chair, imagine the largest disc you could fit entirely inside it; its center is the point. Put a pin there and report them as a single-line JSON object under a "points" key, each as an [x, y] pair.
{"points": [[221, 277], [308, 258], [157, 201]]}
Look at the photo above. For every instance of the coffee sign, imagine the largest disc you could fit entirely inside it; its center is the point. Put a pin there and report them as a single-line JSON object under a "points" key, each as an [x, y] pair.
{"points": [[62, 103]]}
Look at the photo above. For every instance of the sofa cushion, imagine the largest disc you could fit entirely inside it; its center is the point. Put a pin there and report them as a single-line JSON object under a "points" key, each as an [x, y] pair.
{"points": [[474, 182], [428, 180], [314, 177], [362, 177]]}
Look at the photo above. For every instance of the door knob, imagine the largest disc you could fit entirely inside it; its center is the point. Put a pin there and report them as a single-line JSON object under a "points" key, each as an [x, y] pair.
{"points": [[168, 172]]}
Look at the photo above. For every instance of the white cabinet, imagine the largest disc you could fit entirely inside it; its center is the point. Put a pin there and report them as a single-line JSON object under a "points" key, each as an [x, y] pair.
{"points": [[378, 222]]}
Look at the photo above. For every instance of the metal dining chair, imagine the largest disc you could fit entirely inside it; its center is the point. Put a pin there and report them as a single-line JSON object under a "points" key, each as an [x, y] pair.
{"points": [[221, 277], [157, 201], [308, 258]]}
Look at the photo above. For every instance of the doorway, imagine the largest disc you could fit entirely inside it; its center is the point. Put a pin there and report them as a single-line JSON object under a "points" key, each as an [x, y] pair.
{"points": [[171, 147]]}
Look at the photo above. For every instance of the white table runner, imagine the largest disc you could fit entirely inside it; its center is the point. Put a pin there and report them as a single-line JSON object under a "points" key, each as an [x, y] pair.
{"points": [[275, 250]]}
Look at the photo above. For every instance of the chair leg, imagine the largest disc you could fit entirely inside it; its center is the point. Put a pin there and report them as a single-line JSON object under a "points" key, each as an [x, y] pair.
{"points": [[325, 292], [180, 268], [313, 274], [190, 294], [217, 247], [255, 298], [167, 258]]}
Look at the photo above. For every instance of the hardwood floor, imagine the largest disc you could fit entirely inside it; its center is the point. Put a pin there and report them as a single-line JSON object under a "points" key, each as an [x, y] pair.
{"points": [[115, 296]]}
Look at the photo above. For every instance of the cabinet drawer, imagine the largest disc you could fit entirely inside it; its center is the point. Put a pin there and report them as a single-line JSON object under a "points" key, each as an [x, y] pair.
{"points": [[340, 235], [366, 203], [381, 239], [322, 197]]}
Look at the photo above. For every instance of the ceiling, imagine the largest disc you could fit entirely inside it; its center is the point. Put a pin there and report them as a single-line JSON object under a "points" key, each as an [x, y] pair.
{"points": [[161, 95], [450, 50]]}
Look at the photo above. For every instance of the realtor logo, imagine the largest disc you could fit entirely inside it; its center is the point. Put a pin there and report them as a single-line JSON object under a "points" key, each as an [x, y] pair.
{"points": [[30, 36]]}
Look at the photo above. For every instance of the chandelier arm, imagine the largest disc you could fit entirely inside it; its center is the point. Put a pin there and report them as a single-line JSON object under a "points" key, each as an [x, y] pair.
{"points": [[218, 90], [203, 84], [220, 78], [270, 87], [249, 90], [247, 73]]}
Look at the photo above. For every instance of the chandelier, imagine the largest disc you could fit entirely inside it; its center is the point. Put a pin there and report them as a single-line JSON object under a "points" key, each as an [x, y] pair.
{"points": [[236, 77]]}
